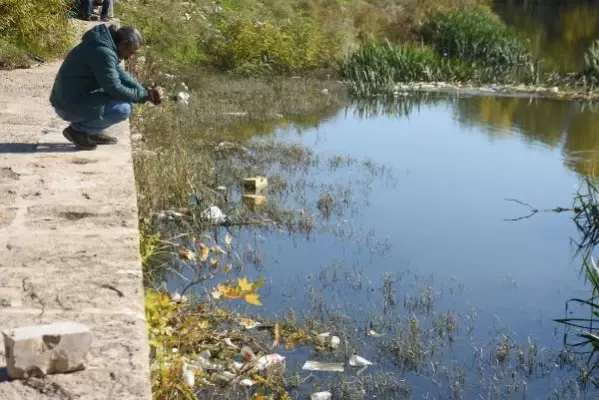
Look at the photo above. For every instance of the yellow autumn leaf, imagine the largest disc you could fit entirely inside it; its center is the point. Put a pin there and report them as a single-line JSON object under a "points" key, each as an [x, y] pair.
{"points": [[203, 324], [230, 292], [253, 298], [214, 263], [227, 268], [187, 254], [216, 294], [228, 239], [204, 251], [244, 285]]}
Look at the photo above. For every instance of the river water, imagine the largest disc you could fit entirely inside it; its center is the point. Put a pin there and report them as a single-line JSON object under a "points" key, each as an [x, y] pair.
{"points": [[440, 221], [423, 227], [420, 228]]}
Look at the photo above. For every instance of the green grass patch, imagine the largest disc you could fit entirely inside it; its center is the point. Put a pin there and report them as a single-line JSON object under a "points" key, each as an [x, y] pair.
{"points": [[39, 28]]}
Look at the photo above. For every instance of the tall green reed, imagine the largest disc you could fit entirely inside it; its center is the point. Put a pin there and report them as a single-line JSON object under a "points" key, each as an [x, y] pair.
{"points": [[478, 36], [586, 326]]}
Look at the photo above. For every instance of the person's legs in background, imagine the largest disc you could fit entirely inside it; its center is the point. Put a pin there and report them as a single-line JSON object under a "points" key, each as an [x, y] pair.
{"points": [[106, 4], [85, 8]]}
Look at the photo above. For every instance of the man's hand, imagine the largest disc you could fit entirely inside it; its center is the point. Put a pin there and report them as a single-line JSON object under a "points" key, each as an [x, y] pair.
{"points": [[155, 94]]}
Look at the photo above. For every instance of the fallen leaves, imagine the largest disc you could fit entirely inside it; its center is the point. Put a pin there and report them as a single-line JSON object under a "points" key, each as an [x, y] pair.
{"points": [[204, 252], [243, 290], [253, 298], [187, 254]]}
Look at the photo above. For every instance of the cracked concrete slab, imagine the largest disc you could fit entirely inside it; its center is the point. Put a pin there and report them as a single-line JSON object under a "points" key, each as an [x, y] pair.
{"points": [[69, 246]]}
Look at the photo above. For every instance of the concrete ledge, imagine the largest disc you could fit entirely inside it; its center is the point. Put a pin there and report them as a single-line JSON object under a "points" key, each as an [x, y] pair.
{"points": [[68, 239]]}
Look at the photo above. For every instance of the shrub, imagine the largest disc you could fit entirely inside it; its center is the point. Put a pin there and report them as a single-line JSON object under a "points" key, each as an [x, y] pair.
{"points": [[33, 27], [172, 36], [249, 45], [477, 36]]}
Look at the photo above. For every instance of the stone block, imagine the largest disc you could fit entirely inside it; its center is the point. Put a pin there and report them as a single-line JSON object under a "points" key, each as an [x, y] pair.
{"points": [[253, 200], [40, 350], [257, 184]]}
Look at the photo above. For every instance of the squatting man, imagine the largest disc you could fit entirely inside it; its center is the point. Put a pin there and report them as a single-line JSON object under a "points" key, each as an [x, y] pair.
{"points": [[92, 91]]}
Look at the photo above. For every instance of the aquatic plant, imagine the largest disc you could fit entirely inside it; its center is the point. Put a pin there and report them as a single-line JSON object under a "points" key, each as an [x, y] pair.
{"points": [[478, 36], [376, 67], [591, 60], [586, 328]]}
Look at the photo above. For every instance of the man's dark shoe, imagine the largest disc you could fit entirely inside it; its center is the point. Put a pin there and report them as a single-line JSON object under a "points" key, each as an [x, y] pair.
{"points": [[102, 138], [80, 139]]}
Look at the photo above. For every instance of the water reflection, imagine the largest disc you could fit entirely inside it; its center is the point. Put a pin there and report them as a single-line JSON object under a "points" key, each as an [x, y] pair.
{"points": [[558, 31], [571, 127]]}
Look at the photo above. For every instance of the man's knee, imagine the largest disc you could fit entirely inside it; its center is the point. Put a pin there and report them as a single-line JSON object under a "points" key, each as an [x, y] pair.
{"points": [[123, 111]]}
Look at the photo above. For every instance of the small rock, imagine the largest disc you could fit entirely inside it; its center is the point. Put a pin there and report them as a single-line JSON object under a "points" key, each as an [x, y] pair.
{"points": [[554, 89], [40, 350], [136, 137]]}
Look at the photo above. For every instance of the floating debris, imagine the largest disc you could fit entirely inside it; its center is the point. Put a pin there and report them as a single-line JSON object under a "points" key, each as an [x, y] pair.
{"points": [[223, 377], [177, 298], [214, 215], [374, 334], [335, 341], [269, 361], [357, 361], [323, 366], [248, 323], [189, 376], [183, 98], [229, 343], [321, 396]]}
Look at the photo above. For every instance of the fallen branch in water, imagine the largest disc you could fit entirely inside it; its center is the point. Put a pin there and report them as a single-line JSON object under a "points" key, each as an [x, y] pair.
{"points": [[534, 210]]}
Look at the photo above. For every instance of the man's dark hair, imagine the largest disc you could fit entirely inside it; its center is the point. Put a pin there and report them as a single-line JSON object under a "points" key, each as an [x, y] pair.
{"points": [[127, 35]]}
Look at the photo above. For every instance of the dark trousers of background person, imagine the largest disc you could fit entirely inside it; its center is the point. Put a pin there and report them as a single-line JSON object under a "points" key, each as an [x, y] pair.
{"points": [[86, 7]]}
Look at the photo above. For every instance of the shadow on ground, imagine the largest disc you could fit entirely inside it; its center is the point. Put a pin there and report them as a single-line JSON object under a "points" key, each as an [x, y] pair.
{"points": [[37, 148]]}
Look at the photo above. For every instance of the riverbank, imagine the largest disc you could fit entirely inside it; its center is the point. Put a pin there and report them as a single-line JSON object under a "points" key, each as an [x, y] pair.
{"points": [[530, 91], [70, 244]]}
